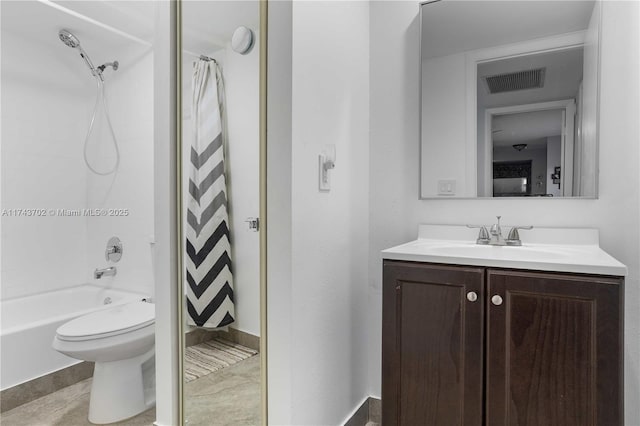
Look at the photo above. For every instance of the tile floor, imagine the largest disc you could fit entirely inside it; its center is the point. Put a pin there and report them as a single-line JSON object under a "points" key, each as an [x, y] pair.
{"points": [[227, 397], [67, 407], [230, 396]]}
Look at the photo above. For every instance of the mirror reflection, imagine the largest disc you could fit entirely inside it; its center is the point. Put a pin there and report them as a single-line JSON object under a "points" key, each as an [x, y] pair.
{"points": [[509, 98], [220, 143]]}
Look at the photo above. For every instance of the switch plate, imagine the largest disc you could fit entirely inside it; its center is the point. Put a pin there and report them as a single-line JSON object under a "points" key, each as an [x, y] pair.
{"points": [[447, 187], [326, 162], [324, 183]]}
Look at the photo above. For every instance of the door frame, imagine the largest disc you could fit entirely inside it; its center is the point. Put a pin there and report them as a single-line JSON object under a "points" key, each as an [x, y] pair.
{"points": [[180, 243], [568, 107]]}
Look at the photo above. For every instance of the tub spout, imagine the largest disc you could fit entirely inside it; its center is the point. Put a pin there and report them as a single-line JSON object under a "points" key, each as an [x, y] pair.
{"points": [[109, 272]]}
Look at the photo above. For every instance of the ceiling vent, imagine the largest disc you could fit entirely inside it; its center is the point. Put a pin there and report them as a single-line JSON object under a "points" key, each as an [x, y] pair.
{"points": [[521, 80]]}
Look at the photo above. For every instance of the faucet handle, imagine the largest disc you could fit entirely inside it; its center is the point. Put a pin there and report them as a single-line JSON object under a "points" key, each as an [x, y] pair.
{"points": [[513, 239], [483, 234]]}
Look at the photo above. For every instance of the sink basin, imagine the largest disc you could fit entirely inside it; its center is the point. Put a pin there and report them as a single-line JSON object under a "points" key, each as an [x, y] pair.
{"points": [[511, 252], [544, 249]]}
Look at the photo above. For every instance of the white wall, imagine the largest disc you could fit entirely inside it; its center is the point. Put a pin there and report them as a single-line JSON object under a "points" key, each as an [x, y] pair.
{"points": [[326, 337], [42, 131], [45, 120], [242, 77], [130, 100], [589, 109], [444, 138], [395, 210]]}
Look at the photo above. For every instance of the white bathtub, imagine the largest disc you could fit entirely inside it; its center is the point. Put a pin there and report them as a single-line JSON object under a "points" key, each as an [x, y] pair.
{"points": [[29, 325]]}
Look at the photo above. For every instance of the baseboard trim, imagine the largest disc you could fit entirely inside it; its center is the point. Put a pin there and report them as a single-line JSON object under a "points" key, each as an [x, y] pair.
{"points": [[360, 415], [368, 412], [200, 335], [33, 389]]}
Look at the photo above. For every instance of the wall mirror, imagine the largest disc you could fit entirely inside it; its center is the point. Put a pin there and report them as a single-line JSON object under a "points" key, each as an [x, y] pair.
{"points": [[222, 63], [509, 98]]}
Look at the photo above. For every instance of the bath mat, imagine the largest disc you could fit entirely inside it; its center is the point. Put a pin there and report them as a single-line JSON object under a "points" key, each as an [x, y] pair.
{"points": [[207, 357]]}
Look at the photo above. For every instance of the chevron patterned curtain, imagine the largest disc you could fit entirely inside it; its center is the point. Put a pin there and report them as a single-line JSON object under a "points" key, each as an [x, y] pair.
{"points": [[208, 260]]}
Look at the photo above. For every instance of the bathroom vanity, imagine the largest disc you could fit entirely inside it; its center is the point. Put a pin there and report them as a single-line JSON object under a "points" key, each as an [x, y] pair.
{"points": [[476, 334]]}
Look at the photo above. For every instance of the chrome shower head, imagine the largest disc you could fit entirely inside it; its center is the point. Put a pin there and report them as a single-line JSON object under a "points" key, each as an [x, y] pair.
{"points": [[72, 41], [69, 39]]}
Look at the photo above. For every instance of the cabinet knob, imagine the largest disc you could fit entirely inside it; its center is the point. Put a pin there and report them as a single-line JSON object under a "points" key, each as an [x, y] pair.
{"points": [[472, 296], [496, 300]]}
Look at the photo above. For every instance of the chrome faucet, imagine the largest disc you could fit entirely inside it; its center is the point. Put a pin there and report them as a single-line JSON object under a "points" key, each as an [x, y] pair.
{"points": [[496, 234], [483, 235], [494, 237], [106, 272], [513, 239]]}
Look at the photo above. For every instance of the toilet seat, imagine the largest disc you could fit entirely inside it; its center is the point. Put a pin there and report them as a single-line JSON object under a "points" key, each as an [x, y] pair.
{"points": [[110, 322]]}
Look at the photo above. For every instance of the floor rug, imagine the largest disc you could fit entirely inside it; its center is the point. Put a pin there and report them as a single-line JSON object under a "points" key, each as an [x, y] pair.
{"points": [[213, 355]]}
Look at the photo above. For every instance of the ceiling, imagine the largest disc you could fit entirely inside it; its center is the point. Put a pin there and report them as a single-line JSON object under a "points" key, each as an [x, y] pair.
{"points": [[40, 21], [30, 39], [133, 17], [450, 26], [107, 25], [564, 69], [531, 128], [207, 26], [109, 30]]}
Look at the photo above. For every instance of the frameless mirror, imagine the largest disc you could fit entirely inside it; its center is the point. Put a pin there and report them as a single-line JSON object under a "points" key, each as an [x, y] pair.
{"points": [[509, 98]]}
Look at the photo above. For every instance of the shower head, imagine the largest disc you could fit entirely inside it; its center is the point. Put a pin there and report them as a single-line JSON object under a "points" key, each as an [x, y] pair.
{"points": [[69, 39], [72, 41]]}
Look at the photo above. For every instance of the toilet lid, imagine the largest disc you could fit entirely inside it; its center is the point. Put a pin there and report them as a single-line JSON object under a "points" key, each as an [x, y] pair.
{"points": [[109, 322]]}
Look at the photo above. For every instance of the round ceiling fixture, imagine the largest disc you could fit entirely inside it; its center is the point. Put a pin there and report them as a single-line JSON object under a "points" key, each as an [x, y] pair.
{"points": [[242, 40], [520, 146]]}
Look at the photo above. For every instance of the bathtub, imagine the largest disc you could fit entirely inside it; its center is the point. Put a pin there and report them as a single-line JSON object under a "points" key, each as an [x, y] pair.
{"points": [[29, 325]]}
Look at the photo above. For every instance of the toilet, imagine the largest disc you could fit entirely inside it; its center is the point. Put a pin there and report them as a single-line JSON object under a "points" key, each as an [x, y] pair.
{"points": [[120, 340]]}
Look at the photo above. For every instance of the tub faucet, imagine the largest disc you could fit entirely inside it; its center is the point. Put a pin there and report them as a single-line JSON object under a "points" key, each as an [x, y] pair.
{"points": [[109, 272]]}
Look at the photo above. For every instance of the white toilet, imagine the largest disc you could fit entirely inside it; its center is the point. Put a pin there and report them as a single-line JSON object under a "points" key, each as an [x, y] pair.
{"points": [[120, 340]]}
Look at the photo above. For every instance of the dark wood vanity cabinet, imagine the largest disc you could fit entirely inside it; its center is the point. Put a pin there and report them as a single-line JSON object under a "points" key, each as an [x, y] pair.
{"points": [[554, 349], [481, 346], [432, 345]]}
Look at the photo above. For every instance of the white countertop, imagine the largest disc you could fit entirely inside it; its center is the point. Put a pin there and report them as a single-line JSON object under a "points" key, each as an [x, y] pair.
{"points": [[574, 250]]}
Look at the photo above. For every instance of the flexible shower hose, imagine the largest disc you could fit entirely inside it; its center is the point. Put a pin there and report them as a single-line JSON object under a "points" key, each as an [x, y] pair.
{"points": [[101, 95]]}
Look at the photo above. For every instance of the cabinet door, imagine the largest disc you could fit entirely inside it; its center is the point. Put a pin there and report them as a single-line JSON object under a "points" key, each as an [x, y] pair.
{"points": [[554, 349], [432, 345]]}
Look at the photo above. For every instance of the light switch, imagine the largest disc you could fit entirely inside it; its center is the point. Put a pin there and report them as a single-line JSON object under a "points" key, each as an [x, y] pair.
{"points": [[447, 187], [326, 162]]}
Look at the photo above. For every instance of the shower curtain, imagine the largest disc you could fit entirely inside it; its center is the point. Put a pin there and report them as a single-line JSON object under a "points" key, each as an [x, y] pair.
{"points": [[208, 261]]}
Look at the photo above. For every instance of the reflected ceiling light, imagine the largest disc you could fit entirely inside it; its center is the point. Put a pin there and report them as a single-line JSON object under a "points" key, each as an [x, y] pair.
{"points": [[519, 146]]}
